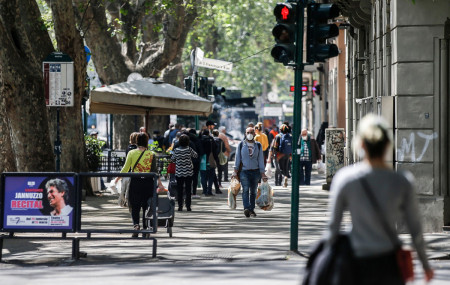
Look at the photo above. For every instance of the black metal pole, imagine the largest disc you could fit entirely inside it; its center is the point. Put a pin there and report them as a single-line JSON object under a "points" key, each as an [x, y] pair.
{"points": [[57, 148], [295, 193]]}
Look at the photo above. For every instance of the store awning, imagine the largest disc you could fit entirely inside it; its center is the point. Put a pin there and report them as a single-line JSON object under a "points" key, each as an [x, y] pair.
{"points": [[146, 96]]}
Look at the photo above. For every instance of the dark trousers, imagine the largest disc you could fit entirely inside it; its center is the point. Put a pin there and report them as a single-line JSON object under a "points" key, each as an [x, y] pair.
{"points": [[278, 175], [382, 269], [184, 183], [223, 169], [207, 178], [135, 211], [195, 177], [305, 172]]}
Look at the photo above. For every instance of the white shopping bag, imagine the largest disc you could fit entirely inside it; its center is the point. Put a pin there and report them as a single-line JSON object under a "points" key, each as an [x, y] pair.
{"points": [[269, 172], [264, 196], [321, 167]]}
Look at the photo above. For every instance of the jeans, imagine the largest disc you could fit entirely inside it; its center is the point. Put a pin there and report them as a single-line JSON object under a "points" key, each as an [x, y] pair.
{"points": [[305, 172], [249, 182], [207, 178], [186, 184]]}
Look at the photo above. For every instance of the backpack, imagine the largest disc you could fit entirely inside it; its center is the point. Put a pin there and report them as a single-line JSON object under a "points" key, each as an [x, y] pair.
{"points": [[286, 143]]}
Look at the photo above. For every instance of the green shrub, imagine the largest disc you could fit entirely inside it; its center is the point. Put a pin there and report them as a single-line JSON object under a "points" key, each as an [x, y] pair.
{"points": [[93, 152]]}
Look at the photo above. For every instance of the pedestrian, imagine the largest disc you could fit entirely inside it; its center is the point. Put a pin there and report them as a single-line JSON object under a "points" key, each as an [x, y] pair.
{"points": [[262, 138], [140, 160], [184, 170], [281, 150], [250, 165], [173, 133], [195, 140], [132, 142], [223, 169], [309, 154], [376, 196], [166, 143], [220, 145], [210, 156], [210, 125]]}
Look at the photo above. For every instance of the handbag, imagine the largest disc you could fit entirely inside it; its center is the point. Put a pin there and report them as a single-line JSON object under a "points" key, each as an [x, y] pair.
{"points": [[222, 157], [171, 168], [140, 185], [331, 265], [211, 160], [403, 256]]}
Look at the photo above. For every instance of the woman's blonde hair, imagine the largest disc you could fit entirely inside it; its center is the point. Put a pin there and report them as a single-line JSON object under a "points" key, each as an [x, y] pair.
{"points": [[374, 132], [133, 138]]}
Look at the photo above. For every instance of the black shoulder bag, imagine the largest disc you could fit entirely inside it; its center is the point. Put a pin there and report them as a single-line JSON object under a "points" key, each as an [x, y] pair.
{"points": [[140, 187], [403, 256]]}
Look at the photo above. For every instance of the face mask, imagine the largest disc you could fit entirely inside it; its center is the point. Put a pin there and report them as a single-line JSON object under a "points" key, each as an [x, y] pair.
{"points": [[304, 138], [249, 137]]}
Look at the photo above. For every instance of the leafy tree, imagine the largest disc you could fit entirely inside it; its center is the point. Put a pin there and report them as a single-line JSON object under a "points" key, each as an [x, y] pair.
{"points": [[239, 31]]}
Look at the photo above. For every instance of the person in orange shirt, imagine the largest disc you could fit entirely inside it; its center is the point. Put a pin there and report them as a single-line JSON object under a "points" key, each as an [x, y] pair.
{"points": [[262, 138]]}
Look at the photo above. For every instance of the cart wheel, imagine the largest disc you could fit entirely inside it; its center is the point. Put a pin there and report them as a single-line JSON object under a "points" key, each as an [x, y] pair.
{"points": [[169, 230]]}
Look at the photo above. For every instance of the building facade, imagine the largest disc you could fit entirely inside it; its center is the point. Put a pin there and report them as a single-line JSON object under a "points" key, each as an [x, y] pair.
{"points": [[396, 64]]}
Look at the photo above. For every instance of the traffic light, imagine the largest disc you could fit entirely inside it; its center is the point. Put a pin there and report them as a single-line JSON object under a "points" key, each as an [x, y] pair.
{"points": [[285, 32], [318, 31], [205, 86], [188, 84], [218, 90]]}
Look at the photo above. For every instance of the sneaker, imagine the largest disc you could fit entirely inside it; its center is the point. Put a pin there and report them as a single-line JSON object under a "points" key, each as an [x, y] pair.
{"points": [[247, 213], [285, 182], [180, 209], [195, 197], [136, 228], [252, 213], [219, 192], [188, 209]]}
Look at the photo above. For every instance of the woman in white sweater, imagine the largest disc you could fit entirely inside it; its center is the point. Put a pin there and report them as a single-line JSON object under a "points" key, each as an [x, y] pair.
{"points": [[394, 193]]}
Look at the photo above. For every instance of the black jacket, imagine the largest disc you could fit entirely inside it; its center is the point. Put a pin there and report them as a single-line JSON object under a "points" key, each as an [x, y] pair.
{"points": [[209, 145]]}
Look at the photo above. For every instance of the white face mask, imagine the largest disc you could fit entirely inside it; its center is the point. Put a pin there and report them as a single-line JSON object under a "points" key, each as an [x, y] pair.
{"points": [[250, 137], [304, 138]]}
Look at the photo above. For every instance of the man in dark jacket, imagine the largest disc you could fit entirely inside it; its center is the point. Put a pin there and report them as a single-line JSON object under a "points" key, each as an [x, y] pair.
{"points": [[309, 154], [210, 155]]}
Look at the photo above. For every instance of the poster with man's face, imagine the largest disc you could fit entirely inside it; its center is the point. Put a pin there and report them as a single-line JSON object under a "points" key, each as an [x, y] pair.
{"points": [[39, 202]]}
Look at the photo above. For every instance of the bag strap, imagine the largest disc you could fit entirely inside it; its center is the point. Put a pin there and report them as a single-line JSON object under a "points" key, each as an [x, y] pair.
{"points": [[392, 235], [137, 161]]}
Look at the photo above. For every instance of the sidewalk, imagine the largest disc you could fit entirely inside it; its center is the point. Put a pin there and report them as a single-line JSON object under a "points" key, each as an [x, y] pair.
{"points": [[211, 237]]}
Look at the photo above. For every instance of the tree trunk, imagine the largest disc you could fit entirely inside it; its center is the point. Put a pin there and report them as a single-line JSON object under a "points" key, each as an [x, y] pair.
{"points": [[71, 129], [23, 128]]}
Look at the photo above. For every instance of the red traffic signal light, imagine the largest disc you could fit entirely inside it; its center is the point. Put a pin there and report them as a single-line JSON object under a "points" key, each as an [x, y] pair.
{"points": [[284, 32]]}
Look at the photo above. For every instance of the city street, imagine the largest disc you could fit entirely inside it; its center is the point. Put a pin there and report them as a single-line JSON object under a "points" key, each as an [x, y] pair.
{"points": [[210, 245]]}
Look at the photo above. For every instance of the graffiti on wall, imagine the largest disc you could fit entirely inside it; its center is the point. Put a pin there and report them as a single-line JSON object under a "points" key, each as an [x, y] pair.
{"points": [[335, 142], [407, 146]]}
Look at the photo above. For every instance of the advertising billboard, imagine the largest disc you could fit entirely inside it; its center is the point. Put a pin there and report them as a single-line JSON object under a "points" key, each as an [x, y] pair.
{"points": [[39, 201]]}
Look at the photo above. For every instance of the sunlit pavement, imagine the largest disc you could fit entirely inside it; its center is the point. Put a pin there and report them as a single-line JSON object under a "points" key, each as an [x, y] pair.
{"points": [[210, 245]]}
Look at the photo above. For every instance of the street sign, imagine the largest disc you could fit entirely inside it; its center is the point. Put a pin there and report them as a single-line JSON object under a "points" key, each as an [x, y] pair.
{"points": [[210, 63], [58, 80]]}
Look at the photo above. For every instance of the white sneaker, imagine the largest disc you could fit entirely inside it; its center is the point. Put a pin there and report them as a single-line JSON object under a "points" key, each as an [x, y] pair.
{"points": [[195, 197]]}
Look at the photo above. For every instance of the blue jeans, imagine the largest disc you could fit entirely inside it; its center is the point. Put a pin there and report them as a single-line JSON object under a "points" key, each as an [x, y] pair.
{"points": [[249, 182], [305, 172], [207, 179]]}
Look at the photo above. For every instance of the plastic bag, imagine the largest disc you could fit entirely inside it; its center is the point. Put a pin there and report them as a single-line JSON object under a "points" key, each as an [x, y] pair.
{"points": [[124, 193], [269, 171], [321, 167], [264, 196], [235, 186], [231, 199]]}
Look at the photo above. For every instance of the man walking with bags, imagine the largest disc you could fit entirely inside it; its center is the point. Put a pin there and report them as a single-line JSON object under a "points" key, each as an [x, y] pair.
{"points": [[249, 168]]}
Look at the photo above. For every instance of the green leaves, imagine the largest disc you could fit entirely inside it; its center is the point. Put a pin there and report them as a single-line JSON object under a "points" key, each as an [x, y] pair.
{"points": [[93, 152]]}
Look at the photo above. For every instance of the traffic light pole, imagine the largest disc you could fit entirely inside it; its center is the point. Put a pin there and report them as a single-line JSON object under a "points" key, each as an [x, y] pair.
{"points": [[295, 193]]}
